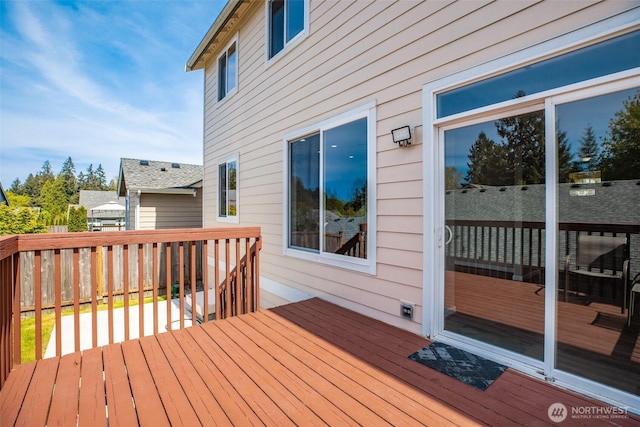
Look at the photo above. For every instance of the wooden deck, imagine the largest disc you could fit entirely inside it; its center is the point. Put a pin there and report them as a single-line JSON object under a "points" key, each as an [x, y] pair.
{"points": [[593, 337], [307, 363]]}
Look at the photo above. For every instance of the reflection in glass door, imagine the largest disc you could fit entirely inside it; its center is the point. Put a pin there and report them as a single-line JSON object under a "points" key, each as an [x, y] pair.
{"points": [[495, 231], [598, 212]]}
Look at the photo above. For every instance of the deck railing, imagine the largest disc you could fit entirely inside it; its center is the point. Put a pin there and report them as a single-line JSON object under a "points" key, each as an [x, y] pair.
{"points": [[182, 254], [515, 250]]}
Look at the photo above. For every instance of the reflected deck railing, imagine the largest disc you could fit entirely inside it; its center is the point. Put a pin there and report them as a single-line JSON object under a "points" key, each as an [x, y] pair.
{"points": [[184, 255], [515, 249]]}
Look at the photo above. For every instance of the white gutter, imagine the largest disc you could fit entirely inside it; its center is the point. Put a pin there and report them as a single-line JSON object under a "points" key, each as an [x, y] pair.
{"points": [[186, 191]]}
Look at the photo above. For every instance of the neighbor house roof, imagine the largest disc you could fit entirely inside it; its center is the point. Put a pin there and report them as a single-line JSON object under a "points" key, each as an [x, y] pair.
{"points": [[614, 202], [91, 198], [225, 20], [150, 176]]}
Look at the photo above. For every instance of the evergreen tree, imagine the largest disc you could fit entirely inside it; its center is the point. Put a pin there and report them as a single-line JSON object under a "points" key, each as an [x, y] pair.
{"points": [[523, 137], [101, 178], [20, 221], [620, 157], [452, 178], [77, 219], [82, 181], [18, 200], [54, 200], [588, 151], [69, 182], [16, 187], [33, 184], [487, 163], [564, 156], [113, 185]]}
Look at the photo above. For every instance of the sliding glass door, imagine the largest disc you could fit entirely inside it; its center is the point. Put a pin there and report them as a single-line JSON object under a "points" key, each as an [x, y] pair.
{"points": [[495, 228], [598, 216]]}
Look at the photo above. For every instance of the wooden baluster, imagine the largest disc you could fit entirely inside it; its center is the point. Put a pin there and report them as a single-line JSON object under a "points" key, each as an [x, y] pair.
{"points": [[57, 271], [140, 290], [95, 294], [76, 298]]}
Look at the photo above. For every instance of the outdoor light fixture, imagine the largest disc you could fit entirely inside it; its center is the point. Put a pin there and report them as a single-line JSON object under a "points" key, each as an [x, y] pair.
{"points": [[402, 136]]}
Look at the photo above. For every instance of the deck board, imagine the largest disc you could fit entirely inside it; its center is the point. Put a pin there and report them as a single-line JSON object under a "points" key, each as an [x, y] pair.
{"points": [[149, 407], [38, 396], [91, 399], [64, 403], [172, 396], [236, 410], [319, 394], [14, 391], [195, 389], [307, 363], [120, 411], [333, 361]]}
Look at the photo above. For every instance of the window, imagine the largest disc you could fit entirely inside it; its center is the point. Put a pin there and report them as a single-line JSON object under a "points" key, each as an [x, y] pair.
{"points": [[228, 189], [286, 19], [228, 71], [330, 206], [597, 60]]}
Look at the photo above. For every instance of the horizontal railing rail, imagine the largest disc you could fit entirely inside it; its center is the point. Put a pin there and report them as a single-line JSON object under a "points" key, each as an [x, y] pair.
{"points": [[116, 311], [515, 249]]}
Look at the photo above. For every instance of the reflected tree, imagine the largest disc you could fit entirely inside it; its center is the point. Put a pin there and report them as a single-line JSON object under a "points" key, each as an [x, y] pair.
{"points": [[452, 178], [487, 163], [620, 157]]}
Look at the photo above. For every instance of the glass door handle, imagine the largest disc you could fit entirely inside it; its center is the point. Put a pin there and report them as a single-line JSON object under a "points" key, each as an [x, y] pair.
{"points": [[448, 240]]}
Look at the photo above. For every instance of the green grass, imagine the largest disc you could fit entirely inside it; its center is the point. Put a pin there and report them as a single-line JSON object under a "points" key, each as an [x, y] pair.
{"points": [[28, 326]]}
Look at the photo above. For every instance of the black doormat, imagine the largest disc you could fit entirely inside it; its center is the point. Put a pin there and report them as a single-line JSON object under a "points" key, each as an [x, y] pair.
{"points": [[459, 364]]}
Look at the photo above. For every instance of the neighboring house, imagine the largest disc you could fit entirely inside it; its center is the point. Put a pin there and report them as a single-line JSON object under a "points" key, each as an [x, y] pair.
{"points": [[105, 210], [323, 115], [160, 195], [3, 196]]}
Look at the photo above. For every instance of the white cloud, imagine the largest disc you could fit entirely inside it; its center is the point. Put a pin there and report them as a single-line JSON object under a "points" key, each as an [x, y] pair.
{"points": [[97, 83]]}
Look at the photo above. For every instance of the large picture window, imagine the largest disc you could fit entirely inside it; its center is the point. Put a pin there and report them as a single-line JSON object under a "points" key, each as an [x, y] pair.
{"points": [[228, 71], [228, 189], [286, 21], [329, 190]]}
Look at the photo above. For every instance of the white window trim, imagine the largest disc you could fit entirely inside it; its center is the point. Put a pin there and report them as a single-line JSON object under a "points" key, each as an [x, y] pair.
{"points": [[235, 157], [232, 92], [433, 202], [368, 265], [288, 46]]}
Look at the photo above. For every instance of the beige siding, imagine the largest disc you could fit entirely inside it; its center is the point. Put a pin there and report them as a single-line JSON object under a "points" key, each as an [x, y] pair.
{"points": [[161, 211], [358, 52]]}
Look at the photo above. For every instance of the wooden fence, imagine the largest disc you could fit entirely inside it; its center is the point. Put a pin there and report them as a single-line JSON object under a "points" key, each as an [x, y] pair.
{"points": [[47, 264]]}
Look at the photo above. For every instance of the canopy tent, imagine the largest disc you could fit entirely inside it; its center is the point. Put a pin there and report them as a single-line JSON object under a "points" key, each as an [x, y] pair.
{"points": [[108, 207], [110, 215]]}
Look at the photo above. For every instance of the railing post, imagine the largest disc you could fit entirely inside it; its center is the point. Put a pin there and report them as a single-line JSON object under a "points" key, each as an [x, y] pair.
{"points": [[9, 282]]}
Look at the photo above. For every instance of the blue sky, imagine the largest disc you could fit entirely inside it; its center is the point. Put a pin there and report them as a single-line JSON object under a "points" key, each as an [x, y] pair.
{"points": [[99, 80]]}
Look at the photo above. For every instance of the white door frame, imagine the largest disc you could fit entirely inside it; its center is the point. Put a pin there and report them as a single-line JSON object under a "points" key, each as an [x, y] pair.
{"points": [[433, 213]]}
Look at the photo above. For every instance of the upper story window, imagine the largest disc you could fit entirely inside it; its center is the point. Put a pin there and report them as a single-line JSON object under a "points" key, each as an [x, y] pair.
{"points": [[286, 20], [228, 70], [331, 177], [228, 189]]}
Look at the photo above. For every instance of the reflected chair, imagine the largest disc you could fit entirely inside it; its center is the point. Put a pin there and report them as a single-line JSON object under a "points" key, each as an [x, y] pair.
{"points": [[600, 257]]}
